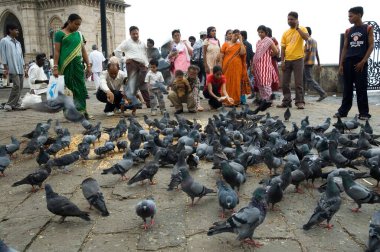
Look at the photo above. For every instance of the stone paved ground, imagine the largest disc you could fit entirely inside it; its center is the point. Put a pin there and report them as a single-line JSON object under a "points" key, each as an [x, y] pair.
{"points": [[27, 225]]}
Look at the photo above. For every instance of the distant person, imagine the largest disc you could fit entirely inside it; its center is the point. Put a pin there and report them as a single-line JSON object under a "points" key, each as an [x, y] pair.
{"points": [[262, 63], [181, 52], [13, 63], [197, 57], [181, 93], [37, 78], [152, 52], [311, 53], [154, 79], [96, 59], [194, 82], [357, 48], [275, 60], [192, 40], [211, 50], [292, 54], [228, 35], [110, 91], [215, 89], [137, 65], [249, 59]]}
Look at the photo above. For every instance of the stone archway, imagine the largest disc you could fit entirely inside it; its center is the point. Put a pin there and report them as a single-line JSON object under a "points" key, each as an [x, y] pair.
{"points": [[7, 18], [55, 24], [98, 39]]}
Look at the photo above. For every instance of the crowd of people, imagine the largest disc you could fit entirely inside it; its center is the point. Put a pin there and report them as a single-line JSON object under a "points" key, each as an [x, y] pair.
{"points": [[228, 72]]}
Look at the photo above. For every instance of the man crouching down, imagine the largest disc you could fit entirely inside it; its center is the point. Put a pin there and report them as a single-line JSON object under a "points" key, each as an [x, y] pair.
{"points": [[111, 88]]}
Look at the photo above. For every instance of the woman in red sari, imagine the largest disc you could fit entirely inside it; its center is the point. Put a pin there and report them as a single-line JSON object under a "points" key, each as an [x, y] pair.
{"points": [[263, 69], [232, 56]]}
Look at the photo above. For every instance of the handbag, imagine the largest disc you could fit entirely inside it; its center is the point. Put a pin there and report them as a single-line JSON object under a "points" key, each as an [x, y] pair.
{"points": [[55, 85]]}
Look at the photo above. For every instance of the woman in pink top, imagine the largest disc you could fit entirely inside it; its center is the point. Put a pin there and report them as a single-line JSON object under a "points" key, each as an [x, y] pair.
{"points": [[263, 69], [181, 52]]}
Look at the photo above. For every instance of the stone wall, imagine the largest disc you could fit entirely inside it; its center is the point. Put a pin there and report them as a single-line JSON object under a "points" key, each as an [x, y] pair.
{"points": [[327, 77]]}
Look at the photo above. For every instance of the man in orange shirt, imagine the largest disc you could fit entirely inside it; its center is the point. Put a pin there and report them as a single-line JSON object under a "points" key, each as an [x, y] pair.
{"points": [[292, 56]]}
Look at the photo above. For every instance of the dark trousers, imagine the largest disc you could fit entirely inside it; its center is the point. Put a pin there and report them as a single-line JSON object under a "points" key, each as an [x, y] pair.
{"points": [[110, 107], [295, 66], [136, 80], [309, 81], [18, 83], [350, 76], [211, 100]]}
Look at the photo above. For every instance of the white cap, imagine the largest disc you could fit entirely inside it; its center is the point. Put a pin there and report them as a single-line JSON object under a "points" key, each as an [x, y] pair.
{"points": [[203, 33]]}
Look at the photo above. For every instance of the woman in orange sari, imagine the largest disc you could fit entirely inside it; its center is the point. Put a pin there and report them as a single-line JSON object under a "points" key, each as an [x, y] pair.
{"points": [[234, 67]]}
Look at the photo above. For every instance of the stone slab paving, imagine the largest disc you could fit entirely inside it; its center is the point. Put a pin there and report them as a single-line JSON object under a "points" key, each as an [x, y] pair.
{"points": [[27, 225]]}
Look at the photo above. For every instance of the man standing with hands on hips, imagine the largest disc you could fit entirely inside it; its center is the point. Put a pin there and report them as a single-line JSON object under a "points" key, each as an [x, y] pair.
{"points": [[292, 60]]}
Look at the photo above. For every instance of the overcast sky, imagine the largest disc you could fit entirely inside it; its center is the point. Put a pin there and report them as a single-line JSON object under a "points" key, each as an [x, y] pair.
{"points": [[327, 18]]}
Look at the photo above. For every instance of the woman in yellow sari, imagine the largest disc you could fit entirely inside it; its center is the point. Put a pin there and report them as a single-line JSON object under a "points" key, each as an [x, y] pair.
{"points": [[234, 67], [68, 52]]}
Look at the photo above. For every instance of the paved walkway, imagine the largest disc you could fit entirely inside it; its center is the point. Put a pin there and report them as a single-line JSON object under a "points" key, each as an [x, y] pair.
{"points": [[27, 225]]}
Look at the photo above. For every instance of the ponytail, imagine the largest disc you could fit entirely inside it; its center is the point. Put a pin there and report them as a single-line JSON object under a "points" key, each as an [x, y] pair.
{"points": [[71, 18]]}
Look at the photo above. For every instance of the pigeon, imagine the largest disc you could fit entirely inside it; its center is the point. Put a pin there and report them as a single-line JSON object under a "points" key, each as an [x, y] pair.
{"points": [[328, 205], [5, 248], [367, 128], [147, 209], [58, 128], [234, 178], [323, 126], [175, 178], [86, 124], [374, 233], [359, 193], [147, 172], [300, 175], [337, 158], [351, 124], [270, 160], [84, 150], [274, 194], [35, 178], [37, 141], [287, 114], [62, 102], [148, 121], [66, 138], [228, 198], [13, 146], [90, 139], [363, 142], [121, 167], [245, 221], [42, 157], [4, 160], [64, 160], [122, 145], [62, 206], [91, 191], [55, 148], [192, 188], [370, 153]]}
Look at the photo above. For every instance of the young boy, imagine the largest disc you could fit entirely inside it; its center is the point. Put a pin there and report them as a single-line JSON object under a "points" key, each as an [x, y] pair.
{"points": [[154, 79], [180, 84]]}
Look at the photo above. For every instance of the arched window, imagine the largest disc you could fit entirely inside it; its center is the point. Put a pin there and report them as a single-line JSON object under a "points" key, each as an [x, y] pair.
{"points": [[54, 25]]}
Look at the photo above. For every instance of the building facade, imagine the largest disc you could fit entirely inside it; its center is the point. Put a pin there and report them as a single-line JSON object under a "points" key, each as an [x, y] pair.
{"points": [[40, 19]]}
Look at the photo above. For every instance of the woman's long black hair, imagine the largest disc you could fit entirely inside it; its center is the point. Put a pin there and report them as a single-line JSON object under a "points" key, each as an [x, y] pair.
{"points": [[71, 18]]}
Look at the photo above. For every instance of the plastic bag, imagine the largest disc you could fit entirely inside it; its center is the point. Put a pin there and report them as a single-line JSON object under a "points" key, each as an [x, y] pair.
{"points": [[30, 99], [55, 85]]}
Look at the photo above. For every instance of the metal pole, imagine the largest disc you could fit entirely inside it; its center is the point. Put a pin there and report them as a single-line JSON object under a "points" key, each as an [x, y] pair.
{"points": [[103, 23]]}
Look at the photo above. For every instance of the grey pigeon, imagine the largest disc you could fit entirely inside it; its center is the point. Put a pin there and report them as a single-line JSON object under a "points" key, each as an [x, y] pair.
{"points": [[4, 160], [192, 188], [58, 128], [64, 160], [287, 114], [175, 178], [351, 124], [270, 160], [86, 124], [90, 139], [234, 178], [122, 145], [245, 221], [121, 167], [84, 150], [274, 193], [374, 233], [228, 198], [62, 206], [42, 157], [367, 128], [91, 191], [55, 148], [147, 209], [337, 158], [62, 102], [328, 205], [13, 146], [323, 126], [147, 172], [35, 179], [5, 248], [359, 193]]}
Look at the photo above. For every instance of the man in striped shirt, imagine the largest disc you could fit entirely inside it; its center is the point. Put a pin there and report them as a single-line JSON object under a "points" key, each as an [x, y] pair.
{"points": [[311, 53]]}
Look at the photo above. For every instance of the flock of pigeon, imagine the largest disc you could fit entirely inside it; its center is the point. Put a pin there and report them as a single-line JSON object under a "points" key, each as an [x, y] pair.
{"points": [[233, 141]]}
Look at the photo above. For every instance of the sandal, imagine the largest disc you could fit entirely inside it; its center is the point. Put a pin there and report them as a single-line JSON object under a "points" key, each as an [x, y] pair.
{"points": [[338, 115], [364, 117]]}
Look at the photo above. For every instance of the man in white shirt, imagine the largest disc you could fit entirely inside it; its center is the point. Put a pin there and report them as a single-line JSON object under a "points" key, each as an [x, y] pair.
{"points": [[37, 78], [137, 65], [96, 59], [112, 82]]}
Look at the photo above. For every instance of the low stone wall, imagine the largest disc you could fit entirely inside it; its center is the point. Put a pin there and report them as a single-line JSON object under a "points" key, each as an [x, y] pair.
{"points": [[327, 76]]}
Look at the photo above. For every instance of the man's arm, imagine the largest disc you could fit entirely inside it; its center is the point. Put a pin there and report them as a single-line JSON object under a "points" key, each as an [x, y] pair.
{"points": [[343, 55], [283, 58], [317, 56]]}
